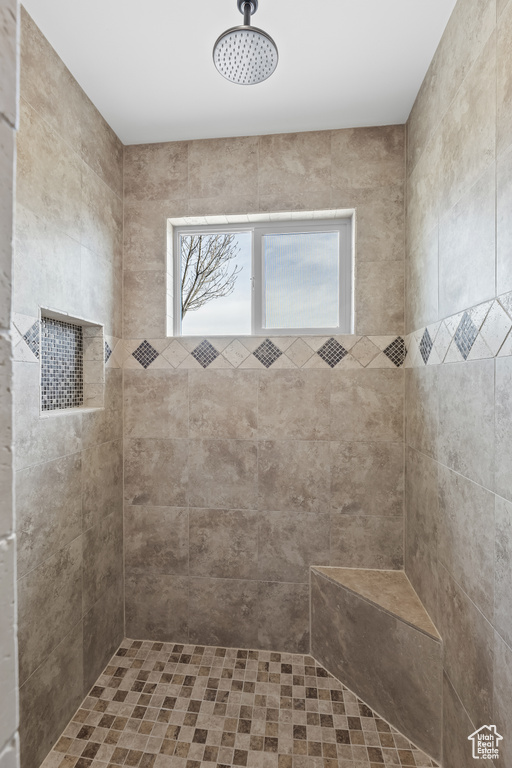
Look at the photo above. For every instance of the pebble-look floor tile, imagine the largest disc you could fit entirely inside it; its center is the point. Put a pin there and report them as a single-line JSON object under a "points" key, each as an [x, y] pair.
{"points": [[159, 705]]}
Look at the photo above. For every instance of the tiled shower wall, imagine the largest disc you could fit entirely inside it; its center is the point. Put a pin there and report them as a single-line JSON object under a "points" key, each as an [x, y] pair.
{"points": [[459, 414], [236, 480], [68, 257], [9, 19]]}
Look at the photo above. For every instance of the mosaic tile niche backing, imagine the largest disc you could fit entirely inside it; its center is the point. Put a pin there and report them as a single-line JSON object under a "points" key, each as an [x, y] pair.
{"points": [[62, 368]]}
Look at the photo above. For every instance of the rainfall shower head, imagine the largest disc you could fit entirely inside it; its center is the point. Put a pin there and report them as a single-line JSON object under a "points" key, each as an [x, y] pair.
{"points": [[245, 55]]}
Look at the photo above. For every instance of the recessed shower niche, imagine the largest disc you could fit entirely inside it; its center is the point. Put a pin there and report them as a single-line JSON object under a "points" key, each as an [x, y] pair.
{"points": [[72, 356]]}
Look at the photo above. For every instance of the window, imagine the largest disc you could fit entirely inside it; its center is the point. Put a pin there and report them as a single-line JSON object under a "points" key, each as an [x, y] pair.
{"points": [[262, 278]]}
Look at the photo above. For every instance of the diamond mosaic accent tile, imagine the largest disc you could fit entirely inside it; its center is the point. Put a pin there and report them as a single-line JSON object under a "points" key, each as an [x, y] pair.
{"points": [[465, 335], [108, 352], [426, 346], [205, 353], [159, 705], [32, 338], [332, 352], [396, 351], [267, 353], [62, 368], [145, 354]]}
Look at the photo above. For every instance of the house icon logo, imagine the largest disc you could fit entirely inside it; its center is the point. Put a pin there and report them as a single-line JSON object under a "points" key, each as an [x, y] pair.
{"points": [[485, 743]]}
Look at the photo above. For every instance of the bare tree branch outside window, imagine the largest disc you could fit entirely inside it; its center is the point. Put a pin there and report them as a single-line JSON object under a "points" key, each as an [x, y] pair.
{"points": [[207, 269]]}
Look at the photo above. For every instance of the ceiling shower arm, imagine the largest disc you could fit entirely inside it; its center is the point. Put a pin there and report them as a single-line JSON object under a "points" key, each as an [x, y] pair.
{"points": [[247, 8]]}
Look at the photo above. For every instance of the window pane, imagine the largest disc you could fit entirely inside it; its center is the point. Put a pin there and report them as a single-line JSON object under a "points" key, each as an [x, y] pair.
{"points": [[216, 284], [301, 280]]}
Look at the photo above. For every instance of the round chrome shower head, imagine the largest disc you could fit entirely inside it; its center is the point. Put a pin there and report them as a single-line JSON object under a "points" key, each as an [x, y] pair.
{"points": [[245, 55]]}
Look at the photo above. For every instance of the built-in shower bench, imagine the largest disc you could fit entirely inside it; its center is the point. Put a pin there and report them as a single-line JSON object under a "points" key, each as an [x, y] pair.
{"points": [[370, 629]]}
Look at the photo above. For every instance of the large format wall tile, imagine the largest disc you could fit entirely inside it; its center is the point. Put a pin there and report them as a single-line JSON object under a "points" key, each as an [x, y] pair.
{"points": [[466, 537], [421, 416], [292, 161], [283, 617], [40, 439], [367, 405], [468, 648], [223, 167], [103, 628], [463, 162], [467, 31], [101, 217], [367, 478], [8, 640], [503, 417], [145, 304], [422, 526], [503, 572], [48, 509], [156, 540], [504, 79], [47, 267], [49, 605], [380, 224], [456, 728], [466, 419], [102, 482], [379, 290], [45, 705], [49, 181], [503, 223], [294, 405], [293, 475], [156, 472], [422, 282], [156, 171], [47, 85], [358, 541], [289, 543], [458, 236], [503, 697], [156, 606], [367, 157], [8, 65], [467, 248], [156, 403], [224, 610], [223, 544], [102, 559], [223, 474], [68, 257], [223, 404]]}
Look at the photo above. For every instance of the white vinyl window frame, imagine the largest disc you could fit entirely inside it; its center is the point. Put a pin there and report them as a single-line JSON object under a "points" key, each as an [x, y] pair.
{"points": [[342, 226]]}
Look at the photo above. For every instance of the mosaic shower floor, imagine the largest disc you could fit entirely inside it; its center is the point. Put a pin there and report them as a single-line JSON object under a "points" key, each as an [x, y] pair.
{"points": [[161, 705]]}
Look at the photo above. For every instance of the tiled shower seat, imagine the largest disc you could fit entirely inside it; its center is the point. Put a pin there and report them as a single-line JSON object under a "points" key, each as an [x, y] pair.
{"points": [[370, 630]]}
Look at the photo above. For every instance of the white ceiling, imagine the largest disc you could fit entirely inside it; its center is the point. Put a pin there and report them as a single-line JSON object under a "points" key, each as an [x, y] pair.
{"points": [[147, 64]]}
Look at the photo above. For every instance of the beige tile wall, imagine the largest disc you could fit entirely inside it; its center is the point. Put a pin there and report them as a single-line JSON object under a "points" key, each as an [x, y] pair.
{"points": [[68, 257], [458, 551], [259, 473], [361, 168], [9, 57], [237, 480]]}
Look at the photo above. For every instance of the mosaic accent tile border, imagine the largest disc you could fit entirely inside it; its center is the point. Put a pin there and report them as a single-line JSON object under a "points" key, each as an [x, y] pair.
{"points": [[273, 353], [484, 331], [164, 705]]}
